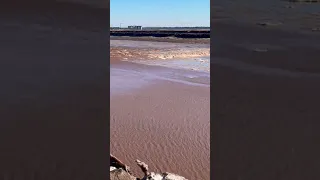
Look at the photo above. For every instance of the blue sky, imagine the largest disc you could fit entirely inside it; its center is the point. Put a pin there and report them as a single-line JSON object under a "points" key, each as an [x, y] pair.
{"points": [[160, 12]]}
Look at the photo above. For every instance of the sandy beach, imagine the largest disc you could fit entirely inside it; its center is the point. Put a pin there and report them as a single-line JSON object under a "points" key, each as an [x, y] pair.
{"points": [[158, 114]]}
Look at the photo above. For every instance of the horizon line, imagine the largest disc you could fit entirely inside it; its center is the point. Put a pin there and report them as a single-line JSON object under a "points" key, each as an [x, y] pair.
{"points": [[162, 26]]}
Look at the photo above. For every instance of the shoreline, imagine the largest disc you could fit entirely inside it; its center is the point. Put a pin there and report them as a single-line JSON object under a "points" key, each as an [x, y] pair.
{"points": [[185, 34], [164, 39], [150, 49]]}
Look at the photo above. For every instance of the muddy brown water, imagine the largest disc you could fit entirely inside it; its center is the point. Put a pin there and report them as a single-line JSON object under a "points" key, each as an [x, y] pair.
{"points": [[161, 116]]}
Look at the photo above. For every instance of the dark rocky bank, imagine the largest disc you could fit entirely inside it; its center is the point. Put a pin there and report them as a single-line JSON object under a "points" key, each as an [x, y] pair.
{"points": [[177, 34], [120, 171]]}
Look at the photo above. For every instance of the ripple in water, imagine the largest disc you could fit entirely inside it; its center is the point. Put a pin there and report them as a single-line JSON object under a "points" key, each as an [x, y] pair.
{"points": [[123, 79], [167, 125], [196, 64]]}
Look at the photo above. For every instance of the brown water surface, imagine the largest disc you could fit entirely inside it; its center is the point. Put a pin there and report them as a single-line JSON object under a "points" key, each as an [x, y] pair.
{"points": [[161, 116]]}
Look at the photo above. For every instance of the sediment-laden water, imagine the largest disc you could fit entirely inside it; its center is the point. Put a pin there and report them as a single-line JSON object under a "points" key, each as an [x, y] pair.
{"points": [[160, 114]]}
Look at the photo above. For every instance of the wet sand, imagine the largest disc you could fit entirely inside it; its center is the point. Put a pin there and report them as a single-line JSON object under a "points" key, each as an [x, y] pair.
{"points": [[159, 117]]}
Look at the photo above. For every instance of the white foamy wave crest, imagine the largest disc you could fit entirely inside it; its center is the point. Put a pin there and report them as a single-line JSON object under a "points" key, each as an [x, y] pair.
{"points": [[195, 64]]}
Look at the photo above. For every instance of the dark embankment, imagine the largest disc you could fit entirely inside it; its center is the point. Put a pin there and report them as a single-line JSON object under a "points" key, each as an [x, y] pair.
{"points": [[163, 33]]}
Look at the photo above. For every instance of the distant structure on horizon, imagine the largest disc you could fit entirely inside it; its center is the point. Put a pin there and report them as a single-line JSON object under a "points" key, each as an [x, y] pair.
{"points": [[127, 28], [135, 27]]}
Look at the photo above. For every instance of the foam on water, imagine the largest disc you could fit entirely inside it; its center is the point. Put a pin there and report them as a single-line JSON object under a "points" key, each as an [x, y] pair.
{"points": [[122, 80], [196, 64], [125, 78], [151, 44]]}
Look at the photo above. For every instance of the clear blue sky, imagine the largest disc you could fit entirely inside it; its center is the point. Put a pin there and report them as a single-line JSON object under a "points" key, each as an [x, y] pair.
{"points": [[160, 12]]}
